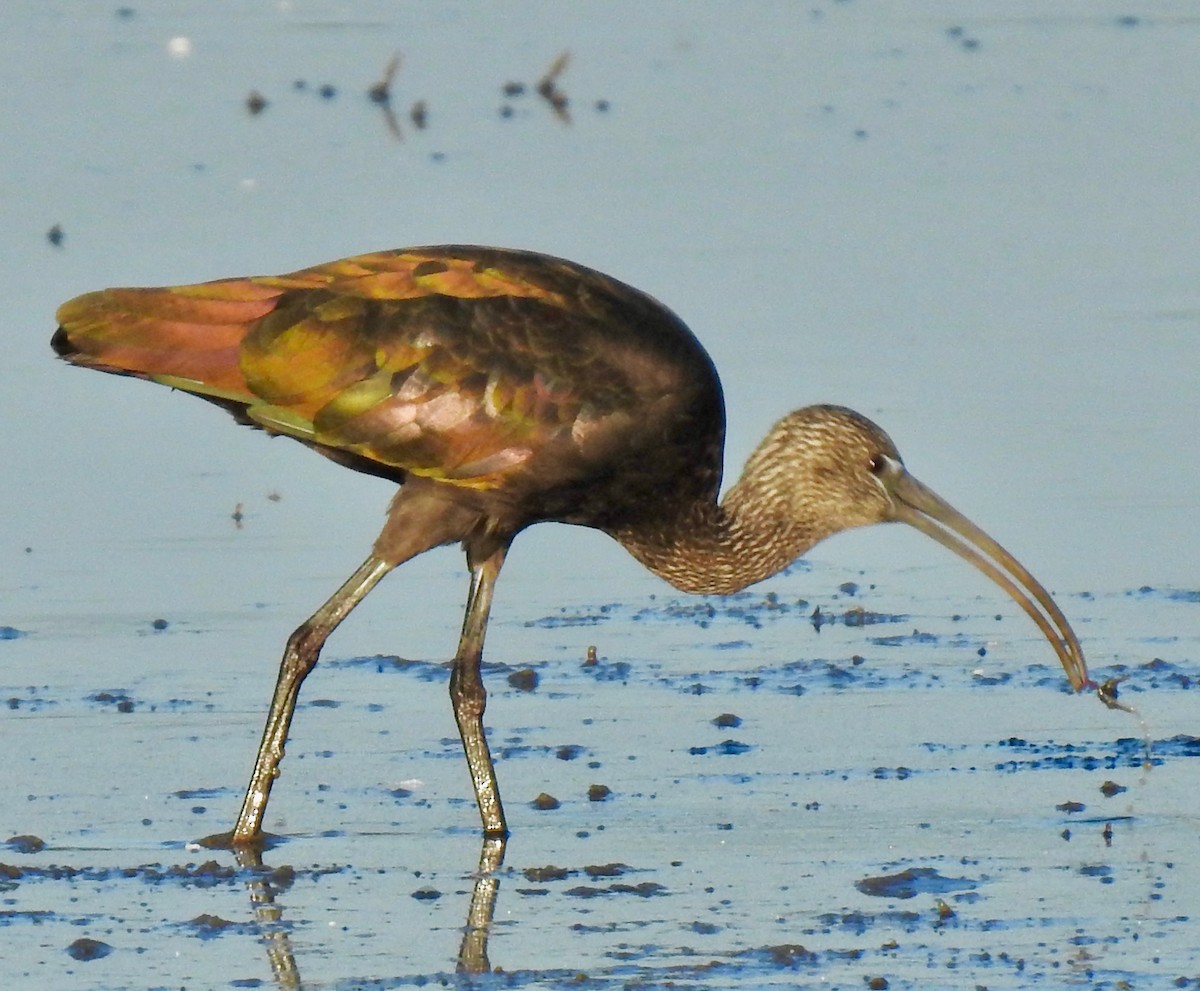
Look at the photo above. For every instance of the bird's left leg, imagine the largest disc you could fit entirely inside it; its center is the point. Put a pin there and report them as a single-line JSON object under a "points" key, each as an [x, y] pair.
{"points": [[303, 648], [417, 520], [468, 695]]}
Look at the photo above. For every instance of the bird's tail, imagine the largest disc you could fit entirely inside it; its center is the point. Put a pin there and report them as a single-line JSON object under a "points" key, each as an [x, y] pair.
{"points": [[186, 337]]}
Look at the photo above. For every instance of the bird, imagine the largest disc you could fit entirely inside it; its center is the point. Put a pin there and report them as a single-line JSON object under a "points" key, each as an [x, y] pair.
{"points": [[500, 388]]}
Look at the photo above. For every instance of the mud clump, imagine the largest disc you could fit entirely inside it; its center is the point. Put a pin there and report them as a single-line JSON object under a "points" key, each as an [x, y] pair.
{"points": [[524, 680], [25, 843], [548, 873], [86, 950]]}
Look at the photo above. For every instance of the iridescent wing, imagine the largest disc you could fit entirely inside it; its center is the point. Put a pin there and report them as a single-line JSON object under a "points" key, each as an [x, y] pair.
{"points": [[461, 364]]}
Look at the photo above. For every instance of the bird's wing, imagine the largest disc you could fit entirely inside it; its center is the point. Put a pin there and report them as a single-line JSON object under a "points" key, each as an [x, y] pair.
{"points": [[452, 363]]}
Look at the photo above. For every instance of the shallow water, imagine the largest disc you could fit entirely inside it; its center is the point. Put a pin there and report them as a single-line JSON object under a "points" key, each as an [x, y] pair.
{"points": [[972, 224], [890, 802]]}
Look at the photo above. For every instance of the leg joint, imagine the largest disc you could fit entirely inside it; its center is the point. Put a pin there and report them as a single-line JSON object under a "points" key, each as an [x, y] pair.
{"points": [[467, 692]]}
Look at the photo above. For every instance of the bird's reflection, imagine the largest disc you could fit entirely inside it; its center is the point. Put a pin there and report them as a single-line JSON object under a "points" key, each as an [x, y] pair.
{"points": [[268, 913], [269, 916], [473, 952]]}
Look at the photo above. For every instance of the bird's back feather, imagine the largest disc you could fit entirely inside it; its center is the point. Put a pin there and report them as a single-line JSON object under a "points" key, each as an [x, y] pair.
{"points": [[474, 366]]}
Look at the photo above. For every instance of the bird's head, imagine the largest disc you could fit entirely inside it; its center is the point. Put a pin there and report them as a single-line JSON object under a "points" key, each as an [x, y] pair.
{"points": [[824, 469]]}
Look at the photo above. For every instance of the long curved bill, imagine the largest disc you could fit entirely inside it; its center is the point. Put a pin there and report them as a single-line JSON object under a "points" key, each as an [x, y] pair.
{"points": [[922, 508]]}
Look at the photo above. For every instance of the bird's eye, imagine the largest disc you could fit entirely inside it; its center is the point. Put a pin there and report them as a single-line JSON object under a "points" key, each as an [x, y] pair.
{"points": [[877, 464]]}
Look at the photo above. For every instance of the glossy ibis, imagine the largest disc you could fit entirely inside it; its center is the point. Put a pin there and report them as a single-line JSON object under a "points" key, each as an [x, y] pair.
{"points": [[503, 388]]}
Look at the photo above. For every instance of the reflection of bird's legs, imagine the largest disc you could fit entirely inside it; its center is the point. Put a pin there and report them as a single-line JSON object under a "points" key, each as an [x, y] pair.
{"points": [[473, 953], [468, 695], [269, 915]]}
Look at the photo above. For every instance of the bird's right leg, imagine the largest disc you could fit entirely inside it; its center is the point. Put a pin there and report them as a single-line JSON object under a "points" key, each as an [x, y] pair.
{"points": [[300, 657], [469, 697]]}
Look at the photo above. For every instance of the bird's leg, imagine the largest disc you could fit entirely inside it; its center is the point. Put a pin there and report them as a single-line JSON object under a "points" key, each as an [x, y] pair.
{"points": [[300, 657], [469, 697]]}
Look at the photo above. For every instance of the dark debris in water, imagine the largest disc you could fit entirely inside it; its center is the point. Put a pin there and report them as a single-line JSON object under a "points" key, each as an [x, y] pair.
{"points": [[567, 620], [1169, 594], [609, 670], [25, 843], [783, 956], [901, 640], [1156, 673], [901, 660], [118, 699], [911, 882], [452, 750], [606, 870], [523, 678], [1103, 871], [892, 773], [390, 663], [207, 926], [37, 917], [191, 794], [645, 889], [1123, 752], [859, 923], [32, 702], [798, 677], [884, 670], [865, 617], [1126, 751], [550, 872], [205, 875], [753, 609], [726, 748]]}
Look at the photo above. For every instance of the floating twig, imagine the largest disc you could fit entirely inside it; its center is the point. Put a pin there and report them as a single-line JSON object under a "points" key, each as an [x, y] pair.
{"points": [[548, 90]]}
